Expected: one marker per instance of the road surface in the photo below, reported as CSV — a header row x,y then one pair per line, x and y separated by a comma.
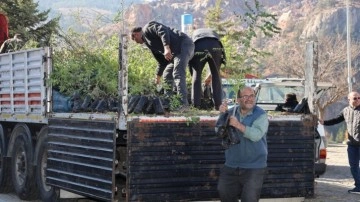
x,y
337,180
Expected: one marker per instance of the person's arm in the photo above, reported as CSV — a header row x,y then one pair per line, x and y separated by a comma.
x,y
163,32
334,121
254,132
161,65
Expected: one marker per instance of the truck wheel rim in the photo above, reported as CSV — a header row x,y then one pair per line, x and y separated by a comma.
x,y
20,165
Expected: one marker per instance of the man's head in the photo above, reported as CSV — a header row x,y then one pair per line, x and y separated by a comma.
x,y
290,97
136,35
354,99
246,98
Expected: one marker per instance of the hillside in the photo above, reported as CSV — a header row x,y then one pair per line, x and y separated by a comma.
x,y
306,18
309,17
72,12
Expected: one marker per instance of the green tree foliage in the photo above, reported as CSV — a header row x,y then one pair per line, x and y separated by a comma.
x,y
142,66
90,66
239,35
88,62
85,65
25,19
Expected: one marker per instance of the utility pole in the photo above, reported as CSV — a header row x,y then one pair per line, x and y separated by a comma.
x,y
348,44
348,53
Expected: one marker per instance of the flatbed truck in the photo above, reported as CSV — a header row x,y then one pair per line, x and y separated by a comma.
x,y
122,157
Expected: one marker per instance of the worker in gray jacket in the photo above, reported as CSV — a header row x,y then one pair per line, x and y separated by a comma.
x,y
351,116
208,49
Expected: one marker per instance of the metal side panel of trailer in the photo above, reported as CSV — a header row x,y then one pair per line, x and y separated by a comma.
x,y
81,156
180,161
22,85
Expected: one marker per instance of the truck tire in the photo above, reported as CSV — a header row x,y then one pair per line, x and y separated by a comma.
x,y
5,181
47,193
22,170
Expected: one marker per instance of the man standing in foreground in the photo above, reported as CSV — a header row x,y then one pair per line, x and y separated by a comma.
x,y
172,49
351,116
246,162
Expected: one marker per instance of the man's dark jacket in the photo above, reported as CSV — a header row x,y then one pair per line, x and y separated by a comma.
x,y
156,36
207,33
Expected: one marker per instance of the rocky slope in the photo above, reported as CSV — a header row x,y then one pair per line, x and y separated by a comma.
x,y
307,18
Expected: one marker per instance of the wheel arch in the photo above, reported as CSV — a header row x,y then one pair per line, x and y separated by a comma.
x,y
15,134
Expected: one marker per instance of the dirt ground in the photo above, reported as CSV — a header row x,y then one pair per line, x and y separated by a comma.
x,y
337,180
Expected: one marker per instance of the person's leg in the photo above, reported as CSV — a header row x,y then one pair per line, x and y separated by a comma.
x,y
197,65
354,156
180,63
214,64
253,180
228,185
168,79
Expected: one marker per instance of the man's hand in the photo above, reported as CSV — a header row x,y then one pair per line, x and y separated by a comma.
x,y
236,124
321,121
208,80
157,79
223,107
167,53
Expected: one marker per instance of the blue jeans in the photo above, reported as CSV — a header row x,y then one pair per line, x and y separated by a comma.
x,y
354,157
235,182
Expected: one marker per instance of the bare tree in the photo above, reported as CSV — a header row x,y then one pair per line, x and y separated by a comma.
x,y
289,60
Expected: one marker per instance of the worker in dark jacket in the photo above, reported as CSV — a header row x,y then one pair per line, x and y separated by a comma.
x,y
208,49
172,49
